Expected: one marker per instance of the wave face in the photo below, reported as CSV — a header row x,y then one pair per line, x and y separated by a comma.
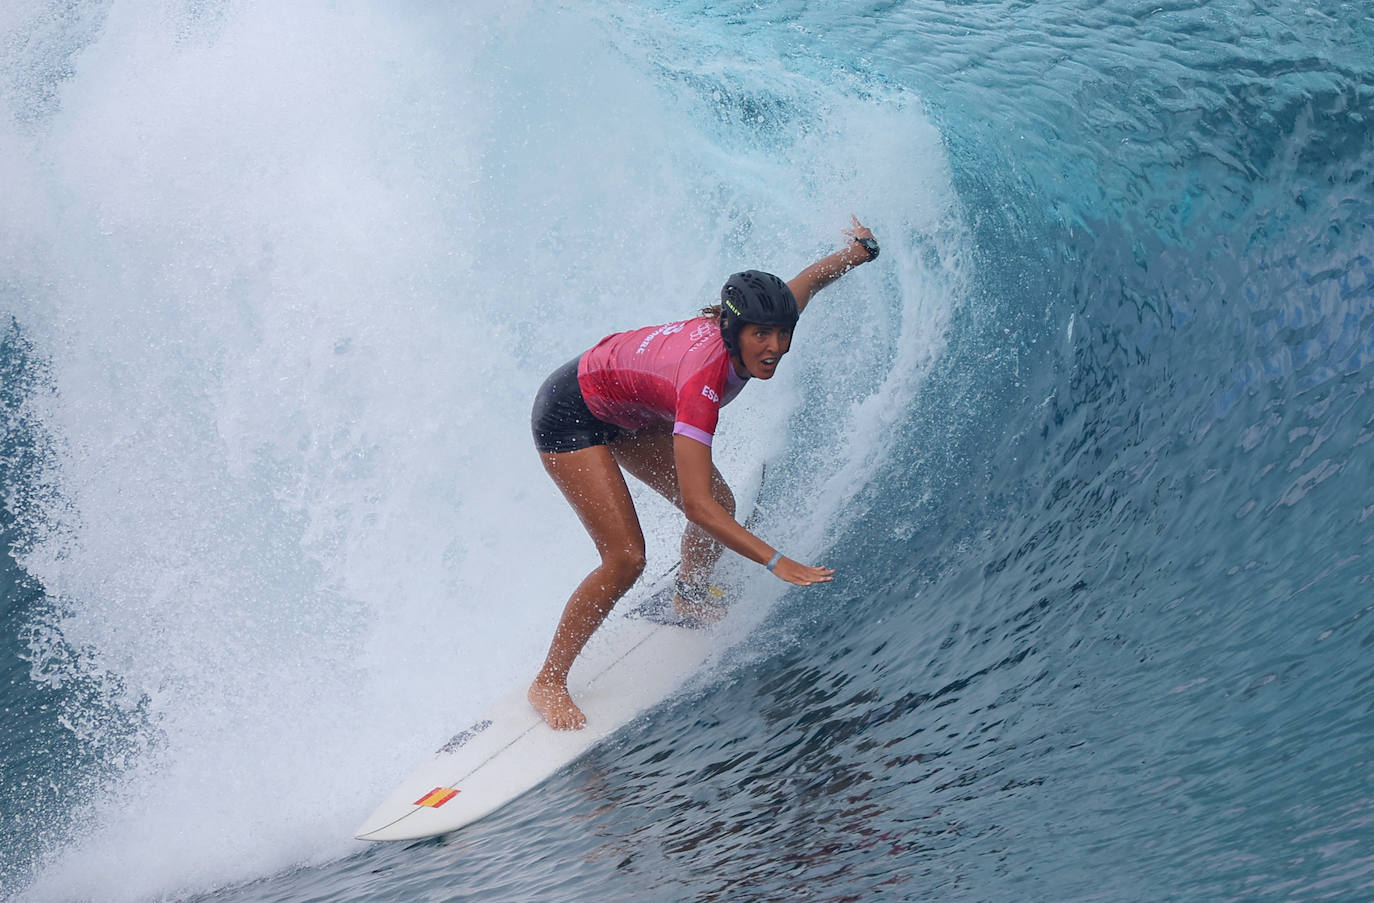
x,y
1088,445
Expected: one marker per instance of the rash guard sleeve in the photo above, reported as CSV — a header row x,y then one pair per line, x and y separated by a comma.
x,y
698,403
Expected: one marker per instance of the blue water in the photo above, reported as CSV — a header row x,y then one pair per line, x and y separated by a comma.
x,y
1088,445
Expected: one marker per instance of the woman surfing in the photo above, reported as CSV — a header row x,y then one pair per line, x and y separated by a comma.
x,y
646,402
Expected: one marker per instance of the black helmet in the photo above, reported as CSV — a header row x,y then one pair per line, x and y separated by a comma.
x,y
754,297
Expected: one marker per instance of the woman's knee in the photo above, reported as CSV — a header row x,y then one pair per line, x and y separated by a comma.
x,y
626,564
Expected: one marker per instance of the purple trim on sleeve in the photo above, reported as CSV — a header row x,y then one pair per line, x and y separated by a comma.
x,y
692,432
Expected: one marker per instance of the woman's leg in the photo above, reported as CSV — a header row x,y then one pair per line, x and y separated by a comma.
x,y
592,482
648,455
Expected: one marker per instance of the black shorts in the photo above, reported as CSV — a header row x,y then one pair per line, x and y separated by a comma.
x,y
561,420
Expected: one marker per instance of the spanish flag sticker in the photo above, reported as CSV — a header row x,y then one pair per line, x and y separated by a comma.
x,y
437,797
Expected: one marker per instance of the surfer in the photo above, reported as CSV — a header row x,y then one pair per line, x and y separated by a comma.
x,y
646,402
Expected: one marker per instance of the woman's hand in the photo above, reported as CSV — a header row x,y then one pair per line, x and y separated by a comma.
x,y
795,572
826,270
860,253
858,230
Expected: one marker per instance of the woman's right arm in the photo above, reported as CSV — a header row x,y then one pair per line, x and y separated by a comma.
x,y
826,270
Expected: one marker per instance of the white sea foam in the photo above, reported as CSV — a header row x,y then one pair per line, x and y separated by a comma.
x,y
298,270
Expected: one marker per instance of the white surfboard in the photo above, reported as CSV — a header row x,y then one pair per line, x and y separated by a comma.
x,y
637,659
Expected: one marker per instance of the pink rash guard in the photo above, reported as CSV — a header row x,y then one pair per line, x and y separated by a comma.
x,y
679,372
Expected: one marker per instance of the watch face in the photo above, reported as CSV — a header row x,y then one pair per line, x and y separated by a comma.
x,y
870,245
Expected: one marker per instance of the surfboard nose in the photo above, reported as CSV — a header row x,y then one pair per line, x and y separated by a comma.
x,y
636,664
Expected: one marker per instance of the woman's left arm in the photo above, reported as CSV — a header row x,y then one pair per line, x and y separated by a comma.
x,y
693,460
826,270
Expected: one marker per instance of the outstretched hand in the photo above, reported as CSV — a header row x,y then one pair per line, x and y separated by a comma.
x,y
834,265
859,230
799,574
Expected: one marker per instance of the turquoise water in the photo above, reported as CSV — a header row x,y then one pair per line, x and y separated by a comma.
x,y
1088,445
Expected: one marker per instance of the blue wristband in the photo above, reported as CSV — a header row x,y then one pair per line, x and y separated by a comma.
x,y
773,562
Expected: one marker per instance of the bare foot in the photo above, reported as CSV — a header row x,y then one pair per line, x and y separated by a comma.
x,y
705,611
556,707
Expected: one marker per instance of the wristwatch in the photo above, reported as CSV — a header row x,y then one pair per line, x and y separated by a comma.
x,y
870,245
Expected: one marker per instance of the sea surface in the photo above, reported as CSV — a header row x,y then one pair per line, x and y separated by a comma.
x,y
1088,445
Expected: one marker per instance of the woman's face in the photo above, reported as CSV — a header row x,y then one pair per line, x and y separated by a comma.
x,y
760,349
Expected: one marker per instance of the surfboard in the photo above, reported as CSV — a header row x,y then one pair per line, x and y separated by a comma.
x,y
640,656
636,659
